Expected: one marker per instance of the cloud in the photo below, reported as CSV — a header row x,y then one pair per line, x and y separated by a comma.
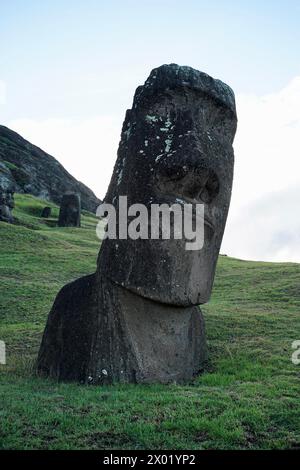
x,y
267,143
2,92
263,220
267,229
267,168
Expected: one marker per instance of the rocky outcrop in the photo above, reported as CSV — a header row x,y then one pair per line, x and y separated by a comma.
x,y
30,170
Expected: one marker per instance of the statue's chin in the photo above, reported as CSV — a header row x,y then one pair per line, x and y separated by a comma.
x,y
162,271
184,296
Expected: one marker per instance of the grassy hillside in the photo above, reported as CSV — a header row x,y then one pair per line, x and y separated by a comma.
x,y
249,396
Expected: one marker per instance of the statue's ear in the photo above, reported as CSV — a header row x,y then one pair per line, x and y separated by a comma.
x,y
113,190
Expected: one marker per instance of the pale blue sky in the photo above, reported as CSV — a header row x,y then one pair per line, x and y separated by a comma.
x,y
72,57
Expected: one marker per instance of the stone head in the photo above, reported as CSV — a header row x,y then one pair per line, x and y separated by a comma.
x,y
7,199
70,210
176,147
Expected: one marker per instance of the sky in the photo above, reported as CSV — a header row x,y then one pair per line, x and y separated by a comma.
x,y
69,69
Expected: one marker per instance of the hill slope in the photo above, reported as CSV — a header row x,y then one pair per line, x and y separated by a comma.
x,y
35,172
249,396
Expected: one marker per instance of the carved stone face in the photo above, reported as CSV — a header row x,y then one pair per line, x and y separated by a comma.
x,y
70,210
7,199
6,203
176,147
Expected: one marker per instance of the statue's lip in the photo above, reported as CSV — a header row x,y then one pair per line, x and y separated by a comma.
x,y
207,221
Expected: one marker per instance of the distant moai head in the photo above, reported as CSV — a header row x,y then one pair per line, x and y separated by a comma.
x,y
176,147
70,210
46,212
6,200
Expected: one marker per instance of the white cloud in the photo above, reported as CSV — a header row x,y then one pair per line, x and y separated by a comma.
x,y
267,143
264,216
267,169
2,92
267,229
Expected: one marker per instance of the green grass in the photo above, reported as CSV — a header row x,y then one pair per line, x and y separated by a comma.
x,y
9,165
248,397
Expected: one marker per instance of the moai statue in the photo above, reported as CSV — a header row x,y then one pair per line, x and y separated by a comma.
x,y
137,319
46,212
70,210
6,204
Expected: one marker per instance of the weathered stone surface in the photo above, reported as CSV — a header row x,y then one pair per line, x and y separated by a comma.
x,y
70,211
98,332
33,171
6,195
6,206
176,145
136,319
46,212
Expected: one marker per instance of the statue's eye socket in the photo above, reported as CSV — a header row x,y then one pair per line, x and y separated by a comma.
x,y
199,184
175,173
